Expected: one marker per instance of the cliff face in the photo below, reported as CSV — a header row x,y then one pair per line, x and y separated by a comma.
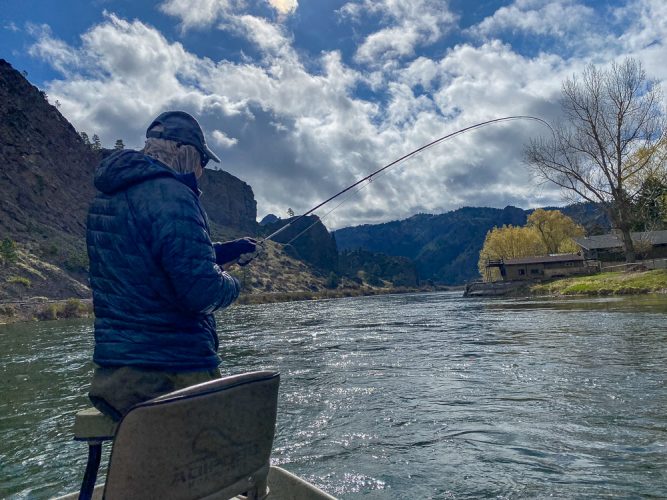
x,y
45,168
229,202
47,171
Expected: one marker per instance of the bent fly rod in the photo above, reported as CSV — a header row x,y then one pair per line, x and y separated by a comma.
x,y
370,176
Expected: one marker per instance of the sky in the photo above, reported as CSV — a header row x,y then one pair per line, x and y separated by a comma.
x,y
301,98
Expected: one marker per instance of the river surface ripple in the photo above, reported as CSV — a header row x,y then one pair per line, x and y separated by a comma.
x,y
405,396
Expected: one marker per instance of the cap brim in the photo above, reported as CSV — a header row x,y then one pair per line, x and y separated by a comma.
x,y
211,155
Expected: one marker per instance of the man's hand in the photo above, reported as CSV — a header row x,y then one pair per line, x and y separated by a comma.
x,y
240,251
246,258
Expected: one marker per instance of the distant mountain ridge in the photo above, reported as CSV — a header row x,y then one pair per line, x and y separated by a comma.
x,y
445,247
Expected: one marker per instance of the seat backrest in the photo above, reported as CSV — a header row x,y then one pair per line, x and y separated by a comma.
x,y
213,438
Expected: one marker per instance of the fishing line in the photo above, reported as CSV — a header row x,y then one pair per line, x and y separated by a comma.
x,y
397,161
342,202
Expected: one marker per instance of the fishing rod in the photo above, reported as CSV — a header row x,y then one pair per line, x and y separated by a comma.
x,y
370,176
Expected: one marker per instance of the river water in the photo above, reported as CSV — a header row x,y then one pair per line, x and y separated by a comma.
x,y
405,396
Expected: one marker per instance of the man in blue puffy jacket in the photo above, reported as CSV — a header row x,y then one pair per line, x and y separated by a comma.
x,y
155,274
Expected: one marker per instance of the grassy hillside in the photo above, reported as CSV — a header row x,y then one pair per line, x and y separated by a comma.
x,y
33,288
607,284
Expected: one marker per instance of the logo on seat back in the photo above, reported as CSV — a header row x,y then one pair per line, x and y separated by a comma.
x,y
216,454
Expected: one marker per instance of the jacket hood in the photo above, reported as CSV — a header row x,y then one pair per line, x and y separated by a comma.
x,y
126,168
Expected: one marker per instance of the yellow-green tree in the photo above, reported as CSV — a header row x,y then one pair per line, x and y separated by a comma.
x,y
509,242
556,230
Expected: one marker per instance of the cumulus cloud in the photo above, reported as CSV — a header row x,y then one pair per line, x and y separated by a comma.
x,y
201,14
123,74
197,13
647,36
539,17
297,128
266,36
60,55
408,26
222,140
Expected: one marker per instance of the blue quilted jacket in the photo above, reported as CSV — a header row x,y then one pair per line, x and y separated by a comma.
x,y
152,268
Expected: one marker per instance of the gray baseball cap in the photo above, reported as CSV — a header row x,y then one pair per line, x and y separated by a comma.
x,y
181,127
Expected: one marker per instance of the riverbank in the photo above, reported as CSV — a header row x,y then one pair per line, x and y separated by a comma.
x,y
337,293
43,309
617,283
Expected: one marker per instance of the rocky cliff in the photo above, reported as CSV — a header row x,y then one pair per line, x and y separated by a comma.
x,y
46,169
229,203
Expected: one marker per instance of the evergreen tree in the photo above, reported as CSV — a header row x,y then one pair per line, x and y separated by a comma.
x,y
290,212
333,280
8,251
97,144
651,205
84,138
119,144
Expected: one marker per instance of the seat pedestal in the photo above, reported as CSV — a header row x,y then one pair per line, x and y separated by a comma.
x,y
94,427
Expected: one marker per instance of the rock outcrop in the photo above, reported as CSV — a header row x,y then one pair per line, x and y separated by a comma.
x,y
229,202
45,168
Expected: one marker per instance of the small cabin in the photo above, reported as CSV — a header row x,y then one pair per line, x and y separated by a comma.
x,y
540,267
609,247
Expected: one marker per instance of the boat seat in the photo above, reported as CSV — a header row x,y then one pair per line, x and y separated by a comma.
x,y
211,440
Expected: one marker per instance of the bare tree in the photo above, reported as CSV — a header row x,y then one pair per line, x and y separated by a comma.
x,y
611,115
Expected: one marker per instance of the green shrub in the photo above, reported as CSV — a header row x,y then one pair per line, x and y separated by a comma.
x,y
51,250
7,310
76,262
48,312
21,280
72,308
